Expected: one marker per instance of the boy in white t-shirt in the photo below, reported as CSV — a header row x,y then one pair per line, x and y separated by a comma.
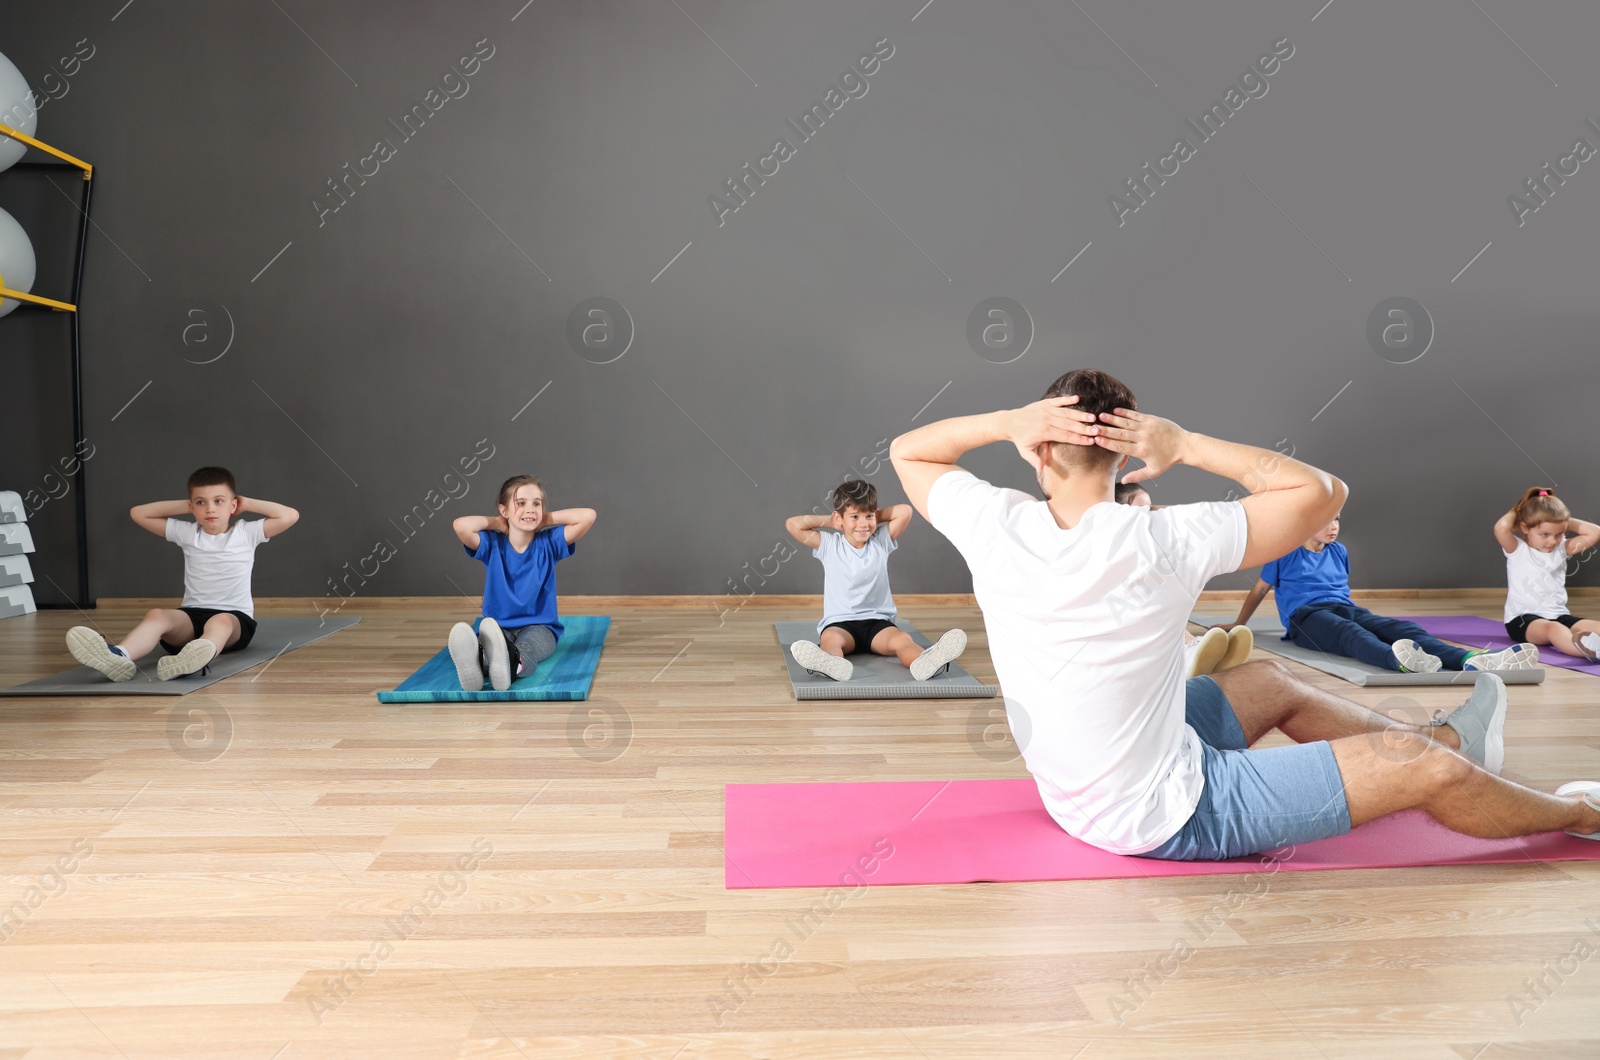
x,y
1085,599
218,614
857,608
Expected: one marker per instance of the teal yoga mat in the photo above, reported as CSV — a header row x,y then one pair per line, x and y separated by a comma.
x,y
566,675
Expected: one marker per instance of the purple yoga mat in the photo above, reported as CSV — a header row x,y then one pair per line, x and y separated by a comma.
x,y
1487,633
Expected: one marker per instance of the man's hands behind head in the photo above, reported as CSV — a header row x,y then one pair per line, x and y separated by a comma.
x,y
1050,420
1156,441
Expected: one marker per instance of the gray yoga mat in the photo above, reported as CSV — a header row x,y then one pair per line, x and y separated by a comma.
x,y
274,637
1268,631
876,676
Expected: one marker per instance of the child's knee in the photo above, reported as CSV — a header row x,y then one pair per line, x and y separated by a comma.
x,y
221,629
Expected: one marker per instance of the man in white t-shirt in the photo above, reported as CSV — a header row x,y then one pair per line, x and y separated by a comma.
x,y
218,614
1085,602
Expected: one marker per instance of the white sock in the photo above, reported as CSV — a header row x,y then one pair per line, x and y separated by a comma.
x,y
119,649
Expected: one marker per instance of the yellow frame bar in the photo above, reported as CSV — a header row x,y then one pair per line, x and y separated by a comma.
x,y
60,307
6,130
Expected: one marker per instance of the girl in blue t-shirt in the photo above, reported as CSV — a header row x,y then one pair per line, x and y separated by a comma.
x,y
519,549
1314,605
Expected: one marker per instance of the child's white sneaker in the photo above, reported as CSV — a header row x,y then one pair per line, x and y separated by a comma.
x,y
464,653
1241,642
1588,645
1413,660
496,656
1516,657
945,650
812,657
1206,652
193,657
91,649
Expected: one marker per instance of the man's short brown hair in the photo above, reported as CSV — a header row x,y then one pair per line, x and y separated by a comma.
x,y
1097,392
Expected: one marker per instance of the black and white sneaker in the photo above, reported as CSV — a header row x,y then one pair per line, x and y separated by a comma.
x,y
944,651
496,657
464,653
193,658
1588,645
813,658
91,649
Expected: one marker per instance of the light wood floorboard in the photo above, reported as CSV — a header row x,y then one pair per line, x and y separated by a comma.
x,y
223,885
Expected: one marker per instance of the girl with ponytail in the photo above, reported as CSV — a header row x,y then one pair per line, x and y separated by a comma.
x,y
1533,536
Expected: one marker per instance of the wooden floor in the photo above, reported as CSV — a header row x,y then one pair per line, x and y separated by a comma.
x,y
236,868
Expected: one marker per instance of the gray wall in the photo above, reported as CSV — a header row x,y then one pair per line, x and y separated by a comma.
x,y
781,346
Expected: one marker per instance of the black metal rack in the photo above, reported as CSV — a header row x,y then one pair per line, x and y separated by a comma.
x,y
82,598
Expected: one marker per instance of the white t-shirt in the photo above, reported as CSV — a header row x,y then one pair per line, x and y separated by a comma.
x,y
855,581
1086,632
216,567
1536,582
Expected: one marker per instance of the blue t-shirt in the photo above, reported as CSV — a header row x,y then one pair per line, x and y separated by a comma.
x,y
1305,577
519,588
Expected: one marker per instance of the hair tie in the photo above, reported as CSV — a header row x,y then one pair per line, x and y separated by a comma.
x,y
1544,493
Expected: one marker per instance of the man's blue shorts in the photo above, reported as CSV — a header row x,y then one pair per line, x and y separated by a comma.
x,y
1253,801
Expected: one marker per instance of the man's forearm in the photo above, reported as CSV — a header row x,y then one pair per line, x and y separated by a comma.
x,y
945,442
1257,470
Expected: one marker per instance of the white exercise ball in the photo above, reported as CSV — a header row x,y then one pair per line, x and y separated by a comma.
x,y
16,110
17,263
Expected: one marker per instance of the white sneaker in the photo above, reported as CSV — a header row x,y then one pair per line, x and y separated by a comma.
x,y
946,650
1204,655
1590,790
91,649
1413,660
812,657
193,657
1241,642
1516,657
1588,646
464,653
496,656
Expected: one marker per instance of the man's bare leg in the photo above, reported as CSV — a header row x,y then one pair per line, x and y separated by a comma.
x,y
1266,696
1451,789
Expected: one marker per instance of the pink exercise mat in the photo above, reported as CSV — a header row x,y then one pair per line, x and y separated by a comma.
x,y
1487,633
972,831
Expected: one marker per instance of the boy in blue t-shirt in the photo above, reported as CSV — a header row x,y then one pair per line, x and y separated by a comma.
x,y
519,550
857,608
1314,605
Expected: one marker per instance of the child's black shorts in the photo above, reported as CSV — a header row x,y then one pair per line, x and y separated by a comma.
x,y
1517,628
199,616
862,630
